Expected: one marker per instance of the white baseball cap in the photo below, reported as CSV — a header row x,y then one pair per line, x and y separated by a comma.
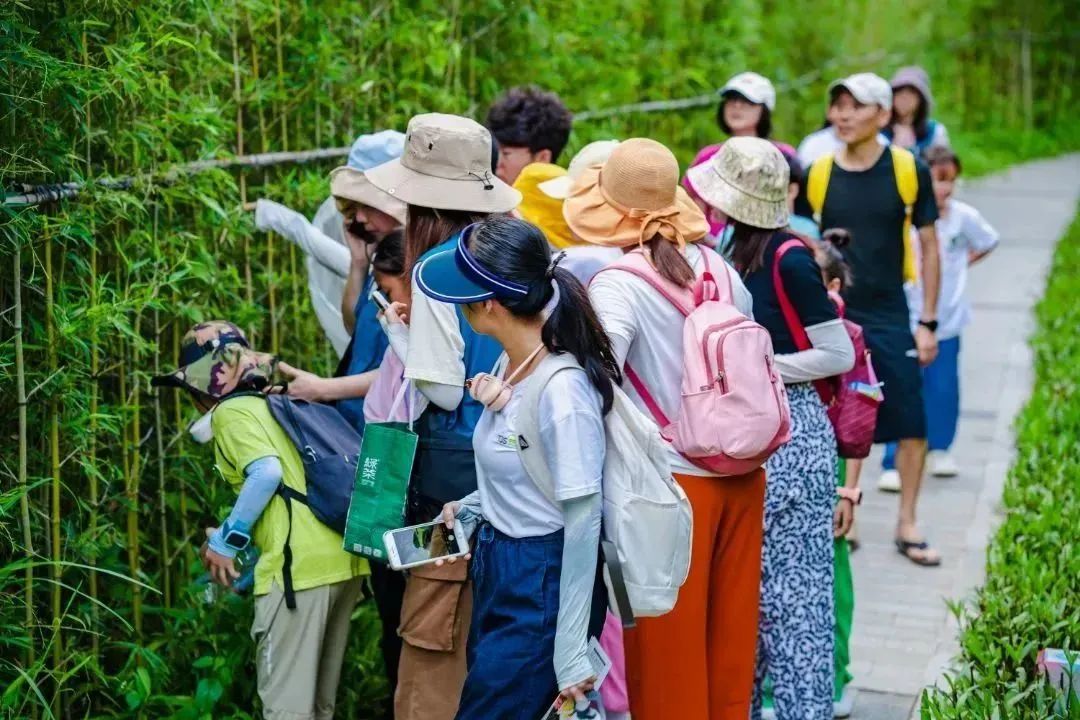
x,y
595,153
755,88
867,88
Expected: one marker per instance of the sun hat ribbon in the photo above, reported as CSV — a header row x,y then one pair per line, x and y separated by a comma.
x,y
652,221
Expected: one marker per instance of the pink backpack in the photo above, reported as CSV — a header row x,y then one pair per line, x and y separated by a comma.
x,y
852,412
734,413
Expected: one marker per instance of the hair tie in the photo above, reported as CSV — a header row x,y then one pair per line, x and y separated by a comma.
x,y
550,274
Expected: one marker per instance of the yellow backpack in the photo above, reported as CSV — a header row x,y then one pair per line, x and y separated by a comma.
x,y
907,183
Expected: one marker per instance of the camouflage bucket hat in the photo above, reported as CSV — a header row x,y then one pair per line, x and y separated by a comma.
x,y
747,180
216,360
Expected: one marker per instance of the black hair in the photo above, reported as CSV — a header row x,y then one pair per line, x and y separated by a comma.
x,y
942,155
764,126
494,154
830,257
921,121
518,251
748,244
530,117
796,175
389,257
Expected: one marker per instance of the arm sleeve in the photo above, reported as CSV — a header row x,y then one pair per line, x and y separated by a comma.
x,y
609,299
581,540
293,226
469,513
440,358
925,211
398,334
261,479
832,354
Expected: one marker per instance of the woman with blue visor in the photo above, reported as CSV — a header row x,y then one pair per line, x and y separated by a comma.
x,y
534,565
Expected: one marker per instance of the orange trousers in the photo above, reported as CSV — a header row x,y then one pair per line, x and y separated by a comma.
x,y
697,662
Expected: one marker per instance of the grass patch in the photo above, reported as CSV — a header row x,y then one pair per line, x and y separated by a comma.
x,y
1031,599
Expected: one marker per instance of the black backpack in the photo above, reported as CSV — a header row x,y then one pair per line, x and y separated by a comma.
x,y
329,448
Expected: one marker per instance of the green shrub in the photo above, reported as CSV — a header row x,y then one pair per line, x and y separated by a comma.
x,y
1031,599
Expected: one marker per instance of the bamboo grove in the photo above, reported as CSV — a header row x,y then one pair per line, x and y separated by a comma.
x,y
103,500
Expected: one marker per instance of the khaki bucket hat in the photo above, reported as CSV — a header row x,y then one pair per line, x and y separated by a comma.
x,y
747,180
632,197
446,166
348,185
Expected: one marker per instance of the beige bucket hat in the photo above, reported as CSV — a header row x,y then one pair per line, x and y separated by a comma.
x,y
446,166
747,180
595,153
348,185
632,197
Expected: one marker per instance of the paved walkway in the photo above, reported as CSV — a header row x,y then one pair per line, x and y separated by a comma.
x,y
904,634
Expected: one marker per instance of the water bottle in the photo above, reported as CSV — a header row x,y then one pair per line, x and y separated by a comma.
x,y
245,563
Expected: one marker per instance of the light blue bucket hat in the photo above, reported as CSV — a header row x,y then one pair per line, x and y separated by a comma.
x,y
348,184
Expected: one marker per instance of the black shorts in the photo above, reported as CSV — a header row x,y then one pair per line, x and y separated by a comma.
x,y
892,352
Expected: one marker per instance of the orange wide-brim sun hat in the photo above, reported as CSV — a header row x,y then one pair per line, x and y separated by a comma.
x,y
634,196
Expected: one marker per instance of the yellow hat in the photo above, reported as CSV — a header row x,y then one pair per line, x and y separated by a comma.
x,y
538,208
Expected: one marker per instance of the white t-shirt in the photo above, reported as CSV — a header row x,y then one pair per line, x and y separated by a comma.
x,y
961,229
646,331
573,442
584,261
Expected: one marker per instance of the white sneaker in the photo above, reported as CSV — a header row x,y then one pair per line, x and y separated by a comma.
x,y
768,714
889,481
843,707
942,464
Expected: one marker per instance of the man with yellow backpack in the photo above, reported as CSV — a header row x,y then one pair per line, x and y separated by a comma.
x,y
878,194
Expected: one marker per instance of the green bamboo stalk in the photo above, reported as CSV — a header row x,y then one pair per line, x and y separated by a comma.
x,y
54,485
178,419
282,110
159,435
249,285
134,543
95,368
24,500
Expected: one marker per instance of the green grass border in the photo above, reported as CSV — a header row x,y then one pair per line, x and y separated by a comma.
x,y
1031,599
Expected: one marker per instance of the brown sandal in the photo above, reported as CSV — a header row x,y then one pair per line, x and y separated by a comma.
x,y
904,547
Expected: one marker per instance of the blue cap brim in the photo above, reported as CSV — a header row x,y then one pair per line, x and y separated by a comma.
x,y
440,278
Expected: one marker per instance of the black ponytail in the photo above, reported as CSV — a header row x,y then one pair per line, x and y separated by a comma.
x,y
573,327
518,251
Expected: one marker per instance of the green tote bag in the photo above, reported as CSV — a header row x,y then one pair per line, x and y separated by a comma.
x,y
381,486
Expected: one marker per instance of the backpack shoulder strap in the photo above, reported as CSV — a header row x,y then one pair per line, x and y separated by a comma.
x,y
817,184
637,264
907,184
530,449
907,181
791,318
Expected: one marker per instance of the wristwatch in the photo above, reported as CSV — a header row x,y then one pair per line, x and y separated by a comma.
x,y
852,494
930,325
236,539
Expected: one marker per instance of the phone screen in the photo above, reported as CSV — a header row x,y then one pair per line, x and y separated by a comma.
x,y
426,542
